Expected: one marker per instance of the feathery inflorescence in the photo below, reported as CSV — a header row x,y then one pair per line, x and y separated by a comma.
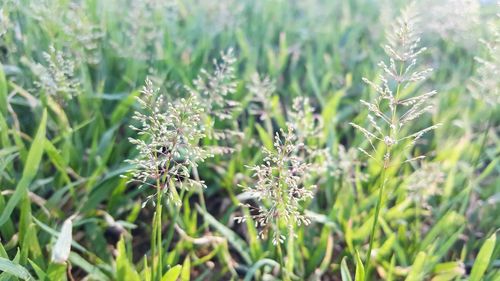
x,y
425,182
451,20
214,90
56,77
261,90
143,31
392,110
169,142
485,85
282,182
344,165
79,33
304,121
215,87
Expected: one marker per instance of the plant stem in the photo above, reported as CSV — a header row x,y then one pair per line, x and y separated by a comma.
x,y
283,271
159,230
375,219
153,248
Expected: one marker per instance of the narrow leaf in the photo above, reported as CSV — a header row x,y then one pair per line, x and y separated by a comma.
x,y
344,271
14,269
483,259
30,170
172,274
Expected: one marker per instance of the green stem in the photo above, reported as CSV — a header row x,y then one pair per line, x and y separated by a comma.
x,y
153,248
283,271
159,230
375,219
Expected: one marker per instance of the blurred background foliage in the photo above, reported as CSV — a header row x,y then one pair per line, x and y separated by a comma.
x,y
70,73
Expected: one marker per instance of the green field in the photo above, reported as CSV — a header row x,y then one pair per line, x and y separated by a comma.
x,y
249,140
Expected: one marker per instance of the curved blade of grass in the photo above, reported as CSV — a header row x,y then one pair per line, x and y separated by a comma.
x,y
14,269
483,259
417,269
94,272
124,269
344,270
172,273
360,269
186,270
30,169
251,272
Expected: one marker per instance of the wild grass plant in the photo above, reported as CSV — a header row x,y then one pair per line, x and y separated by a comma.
x,y
240,140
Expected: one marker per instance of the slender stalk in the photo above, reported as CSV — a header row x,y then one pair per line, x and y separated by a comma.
x,y
159,230
375,219
153,248
283,271
393,132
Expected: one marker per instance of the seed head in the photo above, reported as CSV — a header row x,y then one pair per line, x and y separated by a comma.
x,y
215,87
392,108
168,142
282,184
56,76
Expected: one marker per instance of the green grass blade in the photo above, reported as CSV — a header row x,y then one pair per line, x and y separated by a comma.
x,y
344,270
483,259
30,169
14,269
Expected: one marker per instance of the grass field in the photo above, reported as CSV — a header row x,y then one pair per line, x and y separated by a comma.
x,y
249,140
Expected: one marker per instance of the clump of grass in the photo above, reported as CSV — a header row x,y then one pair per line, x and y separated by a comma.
x,y
392,111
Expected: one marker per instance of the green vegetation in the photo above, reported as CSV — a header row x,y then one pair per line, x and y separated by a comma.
x,y
249,140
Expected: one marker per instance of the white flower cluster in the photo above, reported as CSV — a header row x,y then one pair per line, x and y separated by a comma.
x,y
261,90
425,182
214,87
486,84
344,165
142,34
168,141
451,20
80,33
57,76
281,182
304,121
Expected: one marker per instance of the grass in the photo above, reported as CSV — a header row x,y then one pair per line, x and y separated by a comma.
x,y
70,76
